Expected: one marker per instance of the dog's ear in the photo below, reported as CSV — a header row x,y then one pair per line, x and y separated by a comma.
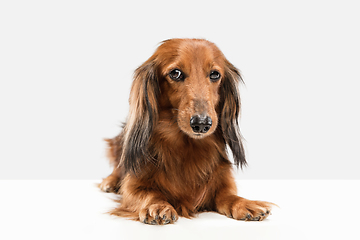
x,y
142,117
230,109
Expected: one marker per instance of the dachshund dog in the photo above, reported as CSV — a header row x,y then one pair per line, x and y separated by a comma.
x,y
170,158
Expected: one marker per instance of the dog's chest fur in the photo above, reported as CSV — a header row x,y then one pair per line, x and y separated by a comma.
x,y
185,168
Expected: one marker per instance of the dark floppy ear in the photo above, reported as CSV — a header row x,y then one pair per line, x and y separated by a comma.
x,y
142,117
230,109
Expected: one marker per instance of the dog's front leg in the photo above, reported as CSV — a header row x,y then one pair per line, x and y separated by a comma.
x,y
233,206
143,203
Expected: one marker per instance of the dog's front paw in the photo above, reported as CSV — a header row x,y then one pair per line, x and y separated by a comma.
x,y
158,214
248,210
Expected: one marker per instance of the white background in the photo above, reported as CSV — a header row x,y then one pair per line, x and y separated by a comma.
x,y
74,209
66,69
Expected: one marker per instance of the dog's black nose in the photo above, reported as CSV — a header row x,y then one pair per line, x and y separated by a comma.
x,y
200,124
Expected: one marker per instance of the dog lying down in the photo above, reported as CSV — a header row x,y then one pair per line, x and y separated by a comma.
x,y
170,158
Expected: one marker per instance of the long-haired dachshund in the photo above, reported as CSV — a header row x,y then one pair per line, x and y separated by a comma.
x,y
170,158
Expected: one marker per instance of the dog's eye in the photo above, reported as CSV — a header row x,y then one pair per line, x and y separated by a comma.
x,y
214,76
176,75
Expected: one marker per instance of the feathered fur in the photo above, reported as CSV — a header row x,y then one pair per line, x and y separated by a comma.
x,y
163,167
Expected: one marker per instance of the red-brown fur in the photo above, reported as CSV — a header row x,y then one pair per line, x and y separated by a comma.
x,y
162,168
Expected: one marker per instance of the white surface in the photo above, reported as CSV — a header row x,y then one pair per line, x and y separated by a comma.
x,y
66,68
76,210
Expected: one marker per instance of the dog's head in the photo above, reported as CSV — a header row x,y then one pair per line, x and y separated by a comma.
x,y
193,80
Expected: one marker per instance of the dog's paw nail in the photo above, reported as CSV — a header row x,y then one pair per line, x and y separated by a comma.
x,y
166,222
262,214
256,219
153,222
248,216
157,217
174,218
